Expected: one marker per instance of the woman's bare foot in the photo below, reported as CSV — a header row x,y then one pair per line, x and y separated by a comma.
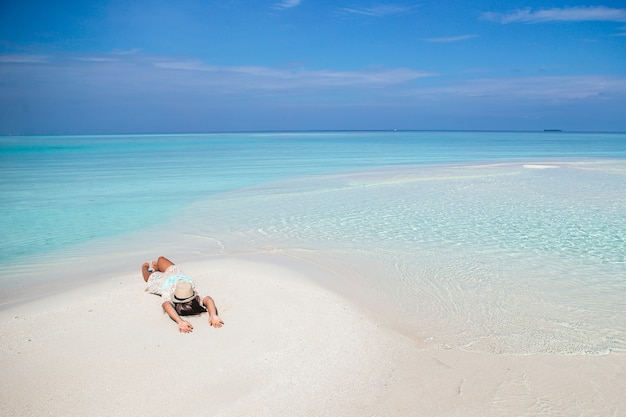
x,y
145,271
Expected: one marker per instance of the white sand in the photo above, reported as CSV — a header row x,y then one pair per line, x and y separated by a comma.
x,y
288,348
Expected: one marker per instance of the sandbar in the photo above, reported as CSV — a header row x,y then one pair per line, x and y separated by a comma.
x,y
289,347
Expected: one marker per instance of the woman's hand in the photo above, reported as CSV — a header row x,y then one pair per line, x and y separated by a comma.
x,y
215,321
185,327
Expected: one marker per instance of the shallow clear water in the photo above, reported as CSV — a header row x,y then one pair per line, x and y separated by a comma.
x,y
494,258
469,247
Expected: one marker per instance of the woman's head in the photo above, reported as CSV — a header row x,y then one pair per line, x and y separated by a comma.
x,y
186,300
189,308
183,291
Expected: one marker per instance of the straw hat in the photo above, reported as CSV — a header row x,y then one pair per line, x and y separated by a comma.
x,y
184,292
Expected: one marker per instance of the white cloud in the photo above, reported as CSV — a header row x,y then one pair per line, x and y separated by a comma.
x,y
548,89
271,78
570,14
450,39
132,51
23,59
96,59
378,11
286,4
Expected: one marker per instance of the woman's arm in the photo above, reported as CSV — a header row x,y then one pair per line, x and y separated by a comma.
x,y
214,319
183,326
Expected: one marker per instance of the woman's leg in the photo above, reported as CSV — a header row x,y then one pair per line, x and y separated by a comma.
x,y
163,263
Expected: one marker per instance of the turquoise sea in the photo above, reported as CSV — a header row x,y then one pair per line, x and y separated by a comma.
x,y
502,242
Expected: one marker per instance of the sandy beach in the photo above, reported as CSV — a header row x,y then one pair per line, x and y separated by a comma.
x,y
288,348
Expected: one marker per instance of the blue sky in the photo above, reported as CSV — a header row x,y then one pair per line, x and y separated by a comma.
x,y
187,66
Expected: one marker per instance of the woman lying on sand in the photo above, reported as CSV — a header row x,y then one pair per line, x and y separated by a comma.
x,y
178,293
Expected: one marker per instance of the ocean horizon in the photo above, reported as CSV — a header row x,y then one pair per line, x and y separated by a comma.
x,y
501,242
